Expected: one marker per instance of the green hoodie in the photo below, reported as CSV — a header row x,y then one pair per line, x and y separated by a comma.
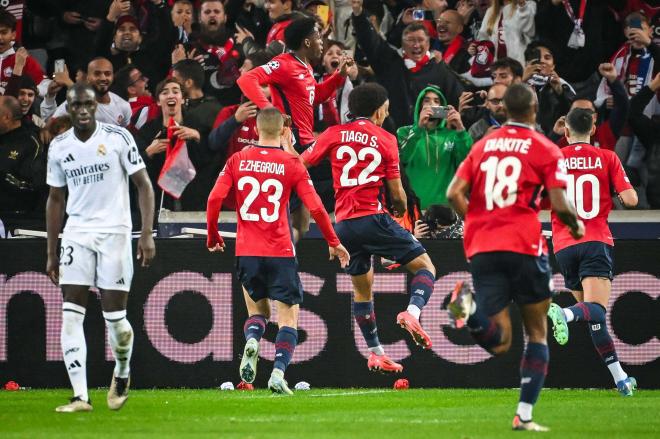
x,y
431,157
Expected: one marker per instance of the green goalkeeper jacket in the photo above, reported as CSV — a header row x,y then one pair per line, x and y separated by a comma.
x,y
431,156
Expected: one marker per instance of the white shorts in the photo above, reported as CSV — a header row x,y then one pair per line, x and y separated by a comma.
x,y
103,260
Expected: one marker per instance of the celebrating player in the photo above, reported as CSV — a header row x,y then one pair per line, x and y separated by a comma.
x,y
295,92
503,175
586,264
92,161
363,156
262,178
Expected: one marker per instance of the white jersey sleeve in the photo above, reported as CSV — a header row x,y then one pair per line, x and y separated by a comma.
x,y
55,175
130,155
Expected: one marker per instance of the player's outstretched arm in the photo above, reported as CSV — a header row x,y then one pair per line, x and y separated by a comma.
x,y
250,84
566,212
398,196
457,195
54,219
146,248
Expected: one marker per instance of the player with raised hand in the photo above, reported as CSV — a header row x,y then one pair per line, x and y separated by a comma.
x,y
586,263
93,161
262,178
295,92
364,158
503,176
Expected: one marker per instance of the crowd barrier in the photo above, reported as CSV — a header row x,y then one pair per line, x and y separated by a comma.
x,y
187,312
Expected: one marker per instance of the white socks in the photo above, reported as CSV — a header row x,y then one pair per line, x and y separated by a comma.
x,y
525,411
568,314
617,372
378,350
120,337
74,348
414,311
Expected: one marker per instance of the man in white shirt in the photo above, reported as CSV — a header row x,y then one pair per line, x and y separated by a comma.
x,y
93,161
111,108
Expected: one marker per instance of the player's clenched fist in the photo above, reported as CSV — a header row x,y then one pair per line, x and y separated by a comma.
x,y
214,242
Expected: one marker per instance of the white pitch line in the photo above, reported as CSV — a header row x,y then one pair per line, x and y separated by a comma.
x,y
365,392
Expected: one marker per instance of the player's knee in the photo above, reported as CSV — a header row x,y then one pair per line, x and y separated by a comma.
x,y
501,348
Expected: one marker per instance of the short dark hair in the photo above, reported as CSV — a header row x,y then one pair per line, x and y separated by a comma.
x,y
329,43
258,58
642,18
161,85
508,63
535,45
12,106
580,121
122,80
190,69
7,20
79,87
414,27
365,99
297,31
518,100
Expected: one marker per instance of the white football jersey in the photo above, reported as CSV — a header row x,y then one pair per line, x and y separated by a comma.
x,y
96,175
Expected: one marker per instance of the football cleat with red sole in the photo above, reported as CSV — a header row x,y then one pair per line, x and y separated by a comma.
x,y
383,364
408,322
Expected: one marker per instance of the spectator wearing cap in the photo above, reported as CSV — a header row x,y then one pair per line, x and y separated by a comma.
x,y
406,72
452,44
120,40
22,163
8,56
510,26
130,84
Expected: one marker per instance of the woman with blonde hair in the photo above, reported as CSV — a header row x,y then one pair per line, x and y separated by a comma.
x,y
509,24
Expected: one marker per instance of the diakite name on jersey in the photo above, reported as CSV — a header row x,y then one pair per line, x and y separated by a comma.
x,y
358,137
583,163
505,144
261,167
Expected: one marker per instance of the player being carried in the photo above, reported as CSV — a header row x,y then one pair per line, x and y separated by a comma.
x,y
262,178
586,264
503,176
295,92
364,158
93,161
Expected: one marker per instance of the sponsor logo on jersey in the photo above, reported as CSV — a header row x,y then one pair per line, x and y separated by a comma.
x,y
69,158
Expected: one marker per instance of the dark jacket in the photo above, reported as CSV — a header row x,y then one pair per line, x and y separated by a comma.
x,y
403,85
153,57
22,170
646,130
552,106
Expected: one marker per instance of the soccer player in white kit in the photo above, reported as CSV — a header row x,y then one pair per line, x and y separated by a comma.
x,y
93,161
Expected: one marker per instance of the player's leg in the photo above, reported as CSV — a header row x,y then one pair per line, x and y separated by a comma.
x,y
486,313
300,219
421,288
534,364
77,274
594,311
253,329
568,260
252,273
114,276
285,345
74,346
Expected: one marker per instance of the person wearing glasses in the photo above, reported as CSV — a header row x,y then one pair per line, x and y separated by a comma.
x,y
494,116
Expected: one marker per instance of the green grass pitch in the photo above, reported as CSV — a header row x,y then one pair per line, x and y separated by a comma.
x,y
335,413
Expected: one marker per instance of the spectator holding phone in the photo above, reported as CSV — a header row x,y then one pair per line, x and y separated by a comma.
x,y
432,148
553,93
495,114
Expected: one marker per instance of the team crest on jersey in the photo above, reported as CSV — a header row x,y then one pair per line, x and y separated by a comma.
x,y
101,150
8,71
13,155
270,66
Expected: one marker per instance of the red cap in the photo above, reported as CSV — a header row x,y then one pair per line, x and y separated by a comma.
x,y
126,19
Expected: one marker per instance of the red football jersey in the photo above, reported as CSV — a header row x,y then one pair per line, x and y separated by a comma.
x,y
506,171
362,155
293,89
31,69
262,179
276,32
593,174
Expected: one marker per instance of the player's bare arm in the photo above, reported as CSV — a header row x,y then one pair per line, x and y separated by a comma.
x,y
457,195
566,212
146,248
628,198
54,219
398,196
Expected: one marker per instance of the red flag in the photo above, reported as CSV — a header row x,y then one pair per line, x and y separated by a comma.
x,y
178,170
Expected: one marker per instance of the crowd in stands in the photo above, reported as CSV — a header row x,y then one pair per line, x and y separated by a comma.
x,y
446,65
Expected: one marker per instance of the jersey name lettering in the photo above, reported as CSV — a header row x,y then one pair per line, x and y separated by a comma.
x,y
356,136
261,167
583,163
504,144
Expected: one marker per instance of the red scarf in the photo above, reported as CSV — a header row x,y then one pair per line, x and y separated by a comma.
x,y
453,48
416,66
